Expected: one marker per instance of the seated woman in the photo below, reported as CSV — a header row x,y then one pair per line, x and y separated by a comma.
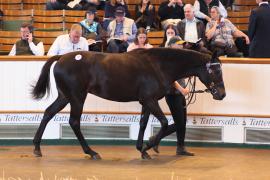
x,y
221,33
145,14
140,41
92,31
169,32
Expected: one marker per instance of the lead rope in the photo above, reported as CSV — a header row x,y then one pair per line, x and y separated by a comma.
x,y
192,91
191,97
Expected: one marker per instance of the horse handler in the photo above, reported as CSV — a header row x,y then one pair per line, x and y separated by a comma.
x,y
177,105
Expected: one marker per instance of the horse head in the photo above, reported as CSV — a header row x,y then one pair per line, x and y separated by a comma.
x,y
213,79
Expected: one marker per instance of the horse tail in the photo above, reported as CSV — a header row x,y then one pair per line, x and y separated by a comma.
x,y
43,83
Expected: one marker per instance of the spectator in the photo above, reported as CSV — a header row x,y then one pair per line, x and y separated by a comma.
x,y
169,32
69,42
140,41
90,4
62,4
221,32
92,31
192,30
110,8
227,3
259,29
121,31
202,9
177,105
171,12
27,45
71,4
145,14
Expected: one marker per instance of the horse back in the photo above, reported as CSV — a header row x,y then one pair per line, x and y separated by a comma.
x,y
118,77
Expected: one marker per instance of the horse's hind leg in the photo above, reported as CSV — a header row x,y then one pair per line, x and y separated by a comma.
x,y
143,123
54,108
74,121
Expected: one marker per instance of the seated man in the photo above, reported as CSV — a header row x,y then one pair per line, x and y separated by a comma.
x,y
192,30
122,32
27,45
69,42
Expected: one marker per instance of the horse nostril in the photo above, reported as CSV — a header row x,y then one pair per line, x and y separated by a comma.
x,y
223,95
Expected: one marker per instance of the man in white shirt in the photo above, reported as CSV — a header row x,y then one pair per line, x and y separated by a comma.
x,y
27,45
69,42
192,30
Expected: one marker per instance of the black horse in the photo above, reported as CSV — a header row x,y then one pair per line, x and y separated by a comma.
x,y
140,75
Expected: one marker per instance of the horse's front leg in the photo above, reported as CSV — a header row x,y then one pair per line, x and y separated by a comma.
x,y
143,123
155,109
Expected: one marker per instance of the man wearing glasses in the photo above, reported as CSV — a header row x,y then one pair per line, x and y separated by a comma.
x,y
27,45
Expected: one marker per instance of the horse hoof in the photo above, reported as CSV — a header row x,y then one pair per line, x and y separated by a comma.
x,y
37,153
145,147
145,155
96,157
151,141
155,148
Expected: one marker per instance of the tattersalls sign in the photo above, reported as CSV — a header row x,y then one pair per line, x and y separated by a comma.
x,y
33,118
233,129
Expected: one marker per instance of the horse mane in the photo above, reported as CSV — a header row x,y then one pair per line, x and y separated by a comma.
x,y
194,58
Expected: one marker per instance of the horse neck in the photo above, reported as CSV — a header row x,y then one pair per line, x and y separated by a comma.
x,y
182,66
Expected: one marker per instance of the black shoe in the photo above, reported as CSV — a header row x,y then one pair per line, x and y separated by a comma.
x,y
181,150
151,141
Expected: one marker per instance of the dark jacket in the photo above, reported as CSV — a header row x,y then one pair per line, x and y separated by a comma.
x,y
166,12
258,31
205,9
181,27
110,9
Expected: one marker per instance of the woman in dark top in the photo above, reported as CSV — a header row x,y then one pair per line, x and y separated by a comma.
x,y
145,14
176,100
110,7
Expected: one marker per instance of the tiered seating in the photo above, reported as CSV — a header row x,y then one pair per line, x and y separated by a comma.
x,y
48,20
62,20
13,19
155,38
244,5
7,40
72,17
34,4
11,4
18,15
239,19
48,37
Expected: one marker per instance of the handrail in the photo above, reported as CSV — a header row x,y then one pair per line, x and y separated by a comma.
x,y
138,113
225,60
